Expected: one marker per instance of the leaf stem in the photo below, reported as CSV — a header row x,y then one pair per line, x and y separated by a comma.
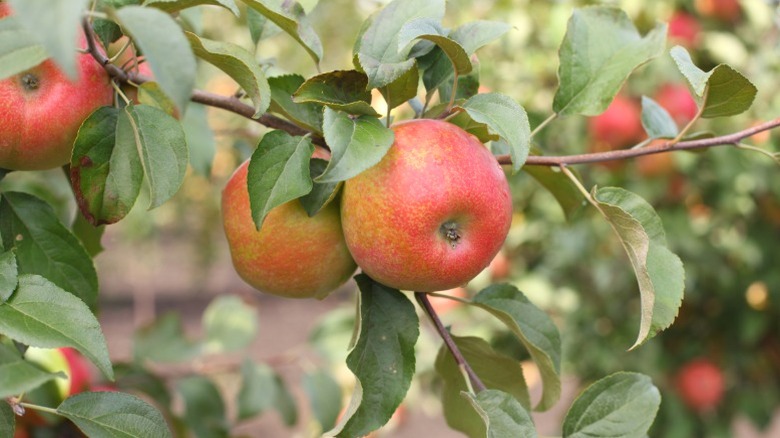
x,y
39,408
422,298
454,89
695,118
543,124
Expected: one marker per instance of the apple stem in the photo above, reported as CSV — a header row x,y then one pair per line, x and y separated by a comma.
x,y
422,298
38,408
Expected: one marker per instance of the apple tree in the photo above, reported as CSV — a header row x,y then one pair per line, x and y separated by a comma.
x,y
395,168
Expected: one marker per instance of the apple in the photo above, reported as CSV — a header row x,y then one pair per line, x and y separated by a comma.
x,y
500,267
723,10
67,360
21,432
619,126
443,305
684,29
41,110
292,255
700,384
677,100
432,214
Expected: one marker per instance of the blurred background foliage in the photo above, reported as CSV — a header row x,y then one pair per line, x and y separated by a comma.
x,y
720,208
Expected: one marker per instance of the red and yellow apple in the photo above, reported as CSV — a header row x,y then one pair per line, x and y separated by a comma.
x,y
432,213
68,361
619,126
41,110
677,100
684,29
723,10
292,255
700,384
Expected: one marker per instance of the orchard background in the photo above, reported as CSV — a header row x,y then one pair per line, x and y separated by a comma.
x,y
203,354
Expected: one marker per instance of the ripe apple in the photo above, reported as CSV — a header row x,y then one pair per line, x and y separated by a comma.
x,y
619,126
723,10
684,29
293,255
69,361
677,100
432,213
655,165
700,384
41,110
500,267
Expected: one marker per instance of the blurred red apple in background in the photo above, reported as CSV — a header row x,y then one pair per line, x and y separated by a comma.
x,y
684,29
700,384
678,101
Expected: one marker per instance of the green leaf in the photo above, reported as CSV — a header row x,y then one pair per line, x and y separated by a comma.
x,y
658,123
18,376
726,92
89,235
229,323
150,93
430,29
159,140
494,369
204,410
659,272
135,378
285,403
7,420
306,115
177,5
356,144
9,273
502,414
382,358
378,48
324,395
600,49
535,330
402,89
19,50
475,34
45,246
106,30
262,389
322,193
114,415
57,26
622,404
343,90
507,119
165,47
40,314
291,18
200,139
278,172
560,186
239,64
106,173
164,341
260,27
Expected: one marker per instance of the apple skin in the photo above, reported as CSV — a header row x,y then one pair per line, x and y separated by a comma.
x,y
727,11
293,255
41,110
67,360
619,126
700,384
684,29
432,214
677,100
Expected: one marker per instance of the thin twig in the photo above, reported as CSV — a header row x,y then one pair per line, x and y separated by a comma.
x,y
422,298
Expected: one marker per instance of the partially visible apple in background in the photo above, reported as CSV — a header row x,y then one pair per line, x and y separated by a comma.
x,y
700,384
684,29
76,367
678,101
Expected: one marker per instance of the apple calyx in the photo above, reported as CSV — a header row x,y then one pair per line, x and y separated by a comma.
x,y
451,233
30,82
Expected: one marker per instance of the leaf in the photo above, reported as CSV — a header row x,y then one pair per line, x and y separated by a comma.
x,y
535,330
502,414
356,144
695,76
306,115
165,47
382,358
430,29
160,142
260,27
112,414
239,64
19,50
262,389
61,22
204,410
105,171
89,235
291,18
135,378
324,395
377,49
622,404
560,186
45,246
476,34
659,272
18,376
9,272
278,172
164,341
229,323
150,93
322,193
40,314
343,90
600,49
658,123
200,139
7,420
505,118
177,5
402,89
494,369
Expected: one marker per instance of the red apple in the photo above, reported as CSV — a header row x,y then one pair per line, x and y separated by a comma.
x,y
67,360
655,165
723,10
677,100
432,214
684,29
500,267
700,384
293,255
619,126
41,110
